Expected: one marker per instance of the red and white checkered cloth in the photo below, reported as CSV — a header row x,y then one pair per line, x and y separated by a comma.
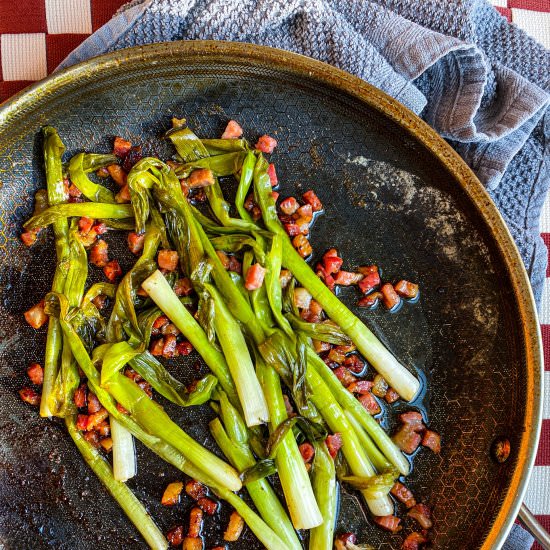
x,y
36,35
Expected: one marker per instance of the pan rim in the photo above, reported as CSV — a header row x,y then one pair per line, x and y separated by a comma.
x,y
418,130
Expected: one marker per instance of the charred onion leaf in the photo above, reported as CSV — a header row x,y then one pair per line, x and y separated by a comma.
x,y
187,144
290,364
127,224
41,202
205,308
94,161
221,165
147,366
312,431
289,306
374,486
145,320
325,331
123,318
77,172
262,469
275,353
236,242
221,146
299,386
210,226
107,289
78,209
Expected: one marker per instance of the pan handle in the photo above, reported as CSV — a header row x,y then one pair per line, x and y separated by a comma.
x,y
534,527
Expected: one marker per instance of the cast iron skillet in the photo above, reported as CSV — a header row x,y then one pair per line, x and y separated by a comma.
x,y
395,194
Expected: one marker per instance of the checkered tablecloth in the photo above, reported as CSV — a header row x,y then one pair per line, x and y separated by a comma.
x,y
36,35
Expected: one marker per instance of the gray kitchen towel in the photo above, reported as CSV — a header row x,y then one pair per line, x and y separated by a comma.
x,y
481,82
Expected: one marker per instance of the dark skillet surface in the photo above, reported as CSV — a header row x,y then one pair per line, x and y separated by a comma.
x,y
388,201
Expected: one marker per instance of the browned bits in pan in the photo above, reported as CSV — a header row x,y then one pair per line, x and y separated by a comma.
x,y
207,505
234,527
501,449
432,440
35,372
403,494
171,495
195,489
135,242
203,177
192,543
302,246
121,146
195,522
388,523
390,298
341,541
406,289
112,270
422,514
30,396
118,174
413,541
369,402
36,316
168,260
175,536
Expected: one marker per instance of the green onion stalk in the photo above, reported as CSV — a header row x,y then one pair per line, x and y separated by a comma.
x,y
240,364
300,500
114,388
53,151
196,154
91,190
171,454
191,241
94,210
124,452
191,149
232,439
354,408
134,510
124,320
374,351
161,293
67,380
153,418
326,494
152,370
354,453
379,461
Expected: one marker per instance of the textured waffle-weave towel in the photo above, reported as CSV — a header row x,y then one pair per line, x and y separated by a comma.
x,y
480,82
